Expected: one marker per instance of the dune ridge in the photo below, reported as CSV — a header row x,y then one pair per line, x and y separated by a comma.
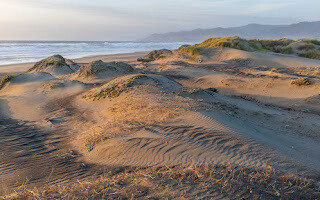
x,y
170,121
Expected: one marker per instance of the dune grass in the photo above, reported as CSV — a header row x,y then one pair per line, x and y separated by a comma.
x,y
314,54
233,42
114,90
309,48
98,66
179,182
272,44
5,79
301,82
312,41
55,60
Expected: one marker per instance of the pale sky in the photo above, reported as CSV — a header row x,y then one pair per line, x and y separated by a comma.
x,y
135,19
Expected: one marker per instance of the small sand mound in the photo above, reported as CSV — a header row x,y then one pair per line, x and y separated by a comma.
x,y
55,65
122,84
155,55
58,84
313,100
101,70
21,83
26,78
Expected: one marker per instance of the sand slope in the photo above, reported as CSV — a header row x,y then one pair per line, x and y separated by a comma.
x,y
165,115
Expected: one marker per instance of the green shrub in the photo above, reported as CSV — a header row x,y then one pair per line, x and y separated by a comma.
x,y
273,44
232,42
253,44
306,47
312,41
285,50
278,46
311,54
191,50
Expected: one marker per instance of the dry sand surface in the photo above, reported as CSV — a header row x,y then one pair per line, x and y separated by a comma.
x,y
231,125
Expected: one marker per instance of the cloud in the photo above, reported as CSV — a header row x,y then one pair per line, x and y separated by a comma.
x,y
132,19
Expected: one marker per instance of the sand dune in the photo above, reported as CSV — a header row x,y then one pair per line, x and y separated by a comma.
x,y
230,108
102,70
55,65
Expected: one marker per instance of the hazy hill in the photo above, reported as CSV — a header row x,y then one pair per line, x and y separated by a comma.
x,y
293,31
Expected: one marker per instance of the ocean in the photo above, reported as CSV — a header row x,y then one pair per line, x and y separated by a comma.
x,y
13,52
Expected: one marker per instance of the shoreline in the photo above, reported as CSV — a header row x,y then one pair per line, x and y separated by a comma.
x,y
124,57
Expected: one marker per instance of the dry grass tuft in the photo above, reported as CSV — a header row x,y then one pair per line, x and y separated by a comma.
x,y
302,82
5,79
201,181
158,54
115,89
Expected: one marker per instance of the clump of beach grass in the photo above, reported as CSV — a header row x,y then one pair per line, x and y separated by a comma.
x,y
55,60
301,82
179,182
6,79
115,89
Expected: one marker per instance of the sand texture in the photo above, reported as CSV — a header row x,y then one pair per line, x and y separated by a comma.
x,y
229,124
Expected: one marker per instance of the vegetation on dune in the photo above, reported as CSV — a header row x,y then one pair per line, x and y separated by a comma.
x,y
178,182
285,50
308,48
52,85
56,85
55,60
192,50
158,54
301,82
95,67
115,89
98,66
314,54
272,44
233,42
312,41
5,79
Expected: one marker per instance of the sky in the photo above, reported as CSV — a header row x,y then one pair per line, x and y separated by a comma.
x,y
110,20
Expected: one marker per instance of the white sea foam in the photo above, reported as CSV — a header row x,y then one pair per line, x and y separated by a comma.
x,y
12,52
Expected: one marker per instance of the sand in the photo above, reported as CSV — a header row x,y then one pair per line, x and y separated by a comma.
x,y
162,114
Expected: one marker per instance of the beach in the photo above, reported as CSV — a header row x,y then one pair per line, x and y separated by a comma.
x,y
233,116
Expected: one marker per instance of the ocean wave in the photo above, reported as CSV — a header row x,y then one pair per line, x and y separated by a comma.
x,y
40,44
20,52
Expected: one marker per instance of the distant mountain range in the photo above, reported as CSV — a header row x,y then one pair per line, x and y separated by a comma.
x,y
258,31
